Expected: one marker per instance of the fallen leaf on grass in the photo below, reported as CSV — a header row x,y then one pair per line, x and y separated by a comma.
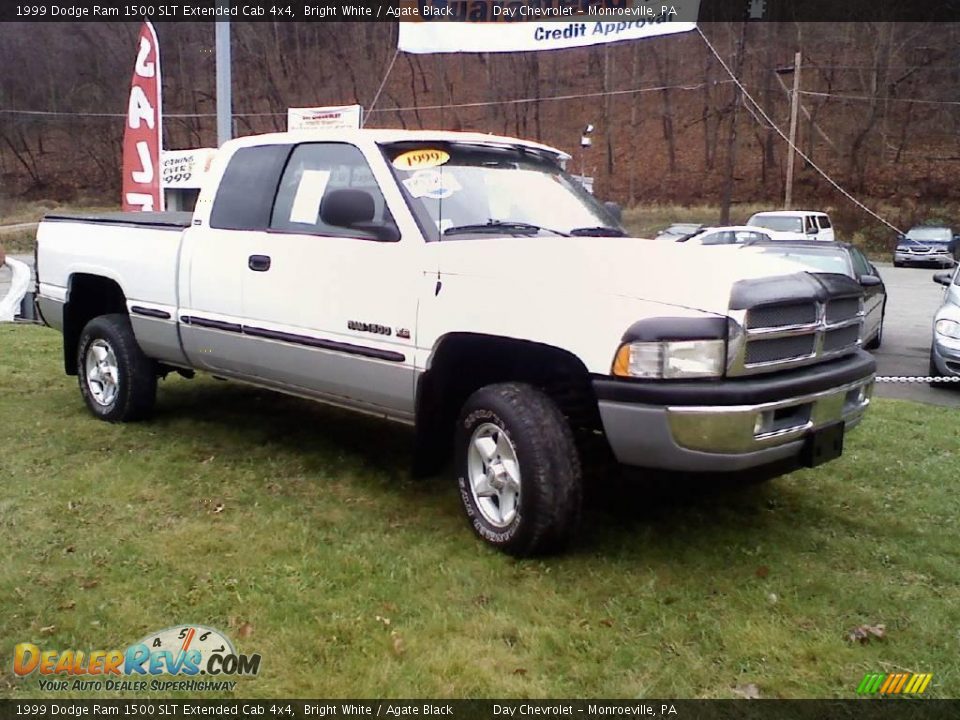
x,y
748,691
69,549
520,671
384,620
68,605
48,630
245,630
763,571
398,644
863,633
606,622
89,584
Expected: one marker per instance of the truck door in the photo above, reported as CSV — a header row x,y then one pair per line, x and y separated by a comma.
x,y
215,259
329,297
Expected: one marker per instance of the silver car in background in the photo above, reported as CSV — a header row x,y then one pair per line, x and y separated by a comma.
x,y
945,347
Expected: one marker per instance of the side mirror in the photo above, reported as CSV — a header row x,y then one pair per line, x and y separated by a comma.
x,y
869,281
942,278
615,210
813,231
354,209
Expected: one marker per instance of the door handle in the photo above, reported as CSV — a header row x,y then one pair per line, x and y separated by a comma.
x,y
259,263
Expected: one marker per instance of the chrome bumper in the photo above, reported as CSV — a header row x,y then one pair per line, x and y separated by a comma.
x,y
747,428
654,431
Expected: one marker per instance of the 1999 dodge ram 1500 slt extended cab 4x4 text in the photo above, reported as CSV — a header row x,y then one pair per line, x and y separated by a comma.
x,y
463,283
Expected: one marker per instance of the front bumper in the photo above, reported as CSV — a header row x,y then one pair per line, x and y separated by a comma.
x,y
945,355
731,424
943,259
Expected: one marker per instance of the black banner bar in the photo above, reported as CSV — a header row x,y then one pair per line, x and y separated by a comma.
x,y
450,10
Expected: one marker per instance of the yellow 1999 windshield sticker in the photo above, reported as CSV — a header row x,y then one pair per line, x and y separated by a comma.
x,y
420,159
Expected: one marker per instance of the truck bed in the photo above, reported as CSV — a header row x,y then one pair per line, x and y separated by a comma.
x,y
137,250
178,220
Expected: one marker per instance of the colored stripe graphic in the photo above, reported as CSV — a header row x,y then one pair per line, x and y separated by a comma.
x,y
894,683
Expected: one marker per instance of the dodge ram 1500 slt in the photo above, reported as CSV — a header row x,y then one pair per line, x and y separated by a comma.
x,y
465,284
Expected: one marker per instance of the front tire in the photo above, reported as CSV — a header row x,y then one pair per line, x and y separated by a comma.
x,y
518,470
877,340
117,381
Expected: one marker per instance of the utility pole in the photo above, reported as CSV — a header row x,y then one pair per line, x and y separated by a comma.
x,y
224,82
794,108
726,196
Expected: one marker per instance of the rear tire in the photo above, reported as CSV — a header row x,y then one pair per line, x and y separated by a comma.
x,y
117,381
518,470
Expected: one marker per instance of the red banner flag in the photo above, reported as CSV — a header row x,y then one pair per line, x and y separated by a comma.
x,y
142,135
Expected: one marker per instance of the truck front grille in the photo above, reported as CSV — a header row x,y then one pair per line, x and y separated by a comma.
x,y
782,315
779,349
781,332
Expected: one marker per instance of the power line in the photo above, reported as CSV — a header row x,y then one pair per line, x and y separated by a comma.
x,y
842,96
514,101
383,82
793,147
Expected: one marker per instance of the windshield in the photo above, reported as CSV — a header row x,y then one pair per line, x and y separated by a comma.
x,y
828,262
931,234
467,191
680,229
778,224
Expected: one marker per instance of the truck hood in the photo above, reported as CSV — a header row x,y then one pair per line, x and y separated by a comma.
x,y
693,277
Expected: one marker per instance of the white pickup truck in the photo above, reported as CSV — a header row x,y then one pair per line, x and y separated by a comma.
x,y
465,284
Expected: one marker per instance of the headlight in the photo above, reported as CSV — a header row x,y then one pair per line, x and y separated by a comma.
x,y
671,359
950,328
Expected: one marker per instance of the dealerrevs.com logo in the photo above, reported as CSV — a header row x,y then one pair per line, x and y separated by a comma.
x,y
191,651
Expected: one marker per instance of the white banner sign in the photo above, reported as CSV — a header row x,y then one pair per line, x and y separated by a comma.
x,y
444,37
184,168
345,117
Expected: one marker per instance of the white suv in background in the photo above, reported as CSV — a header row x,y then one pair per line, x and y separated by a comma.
x,y
815,225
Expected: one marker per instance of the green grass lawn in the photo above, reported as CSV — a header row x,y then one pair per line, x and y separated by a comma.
x,y
297,531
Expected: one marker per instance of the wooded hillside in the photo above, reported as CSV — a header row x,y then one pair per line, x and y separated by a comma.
x,y
880,103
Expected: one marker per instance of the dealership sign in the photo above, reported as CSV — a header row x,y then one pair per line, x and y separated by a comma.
x,y
185,168
345,117
142,135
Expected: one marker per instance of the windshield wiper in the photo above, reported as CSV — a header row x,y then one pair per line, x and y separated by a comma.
x,y
599,231
501,226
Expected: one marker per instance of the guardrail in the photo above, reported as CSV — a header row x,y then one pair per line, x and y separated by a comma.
x,y
10,305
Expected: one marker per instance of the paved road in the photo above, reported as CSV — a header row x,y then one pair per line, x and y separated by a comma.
x,y
912,299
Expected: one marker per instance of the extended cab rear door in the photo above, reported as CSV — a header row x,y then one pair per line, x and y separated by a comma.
x,y
228,224
278,292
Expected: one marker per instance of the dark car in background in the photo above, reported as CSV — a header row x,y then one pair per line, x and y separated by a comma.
x,y
679,231
926,245
842,258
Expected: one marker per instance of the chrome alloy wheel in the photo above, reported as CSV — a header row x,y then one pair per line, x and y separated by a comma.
x,y
494,473
102,372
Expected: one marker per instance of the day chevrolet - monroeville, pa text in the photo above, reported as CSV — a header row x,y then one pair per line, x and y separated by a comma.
x,y
465,284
